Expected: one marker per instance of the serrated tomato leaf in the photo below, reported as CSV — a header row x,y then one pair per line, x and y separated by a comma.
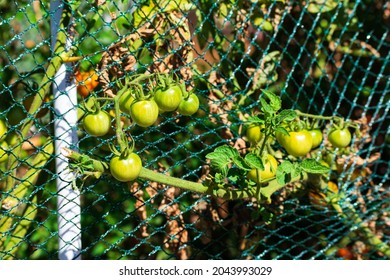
x,y
282,130
274,101
265,107
285,115
222,157
285,172
255,120
254,161
241,163
310,165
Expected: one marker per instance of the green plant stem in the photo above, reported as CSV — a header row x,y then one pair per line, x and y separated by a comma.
x,y
172,181
317,117
118,131
349,215
261,193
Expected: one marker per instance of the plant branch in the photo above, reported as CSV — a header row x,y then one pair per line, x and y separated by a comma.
x,y
262,193
349,215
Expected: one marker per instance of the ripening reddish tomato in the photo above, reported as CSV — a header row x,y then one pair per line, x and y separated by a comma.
x,y
344,253
86,82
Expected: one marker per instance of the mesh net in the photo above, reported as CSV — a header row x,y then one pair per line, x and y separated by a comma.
x,y
320,57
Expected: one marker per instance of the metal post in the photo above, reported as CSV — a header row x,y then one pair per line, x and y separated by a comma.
x,y
65,131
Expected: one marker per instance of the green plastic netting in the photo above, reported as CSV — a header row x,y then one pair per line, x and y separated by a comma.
x,y
320,57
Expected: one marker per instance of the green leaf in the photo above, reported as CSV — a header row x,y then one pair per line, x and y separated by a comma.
x,y
312,166
221,165
254,161
265,107
282,130
241,163
285,172
219,178
274,100
224,151
223,156
255,120
235,176
286,115
228,150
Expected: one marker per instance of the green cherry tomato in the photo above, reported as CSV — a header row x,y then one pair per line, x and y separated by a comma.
x,y
97,124
168,100
340,138
189,106
126,168
3,129
144,112
270,166
3,151
298,143
253,133
125,102
316,134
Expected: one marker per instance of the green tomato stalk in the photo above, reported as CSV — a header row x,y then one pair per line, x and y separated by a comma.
x,y
262,194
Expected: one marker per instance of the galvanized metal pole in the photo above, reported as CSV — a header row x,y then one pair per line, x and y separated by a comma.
x,y
65,124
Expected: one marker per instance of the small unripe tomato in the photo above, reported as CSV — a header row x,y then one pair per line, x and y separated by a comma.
x,y
125,102
340,138
169,99
253,133
189,106
298,143
126,168
317,137
97,124
270,166
3,152
144,112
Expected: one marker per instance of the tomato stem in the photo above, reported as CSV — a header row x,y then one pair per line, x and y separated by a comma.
x,y
262,194
118,131
318,117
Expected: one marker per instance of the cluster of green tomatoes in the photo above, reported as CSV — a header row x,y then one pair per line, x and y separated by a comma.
x,y
166,95
297,143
